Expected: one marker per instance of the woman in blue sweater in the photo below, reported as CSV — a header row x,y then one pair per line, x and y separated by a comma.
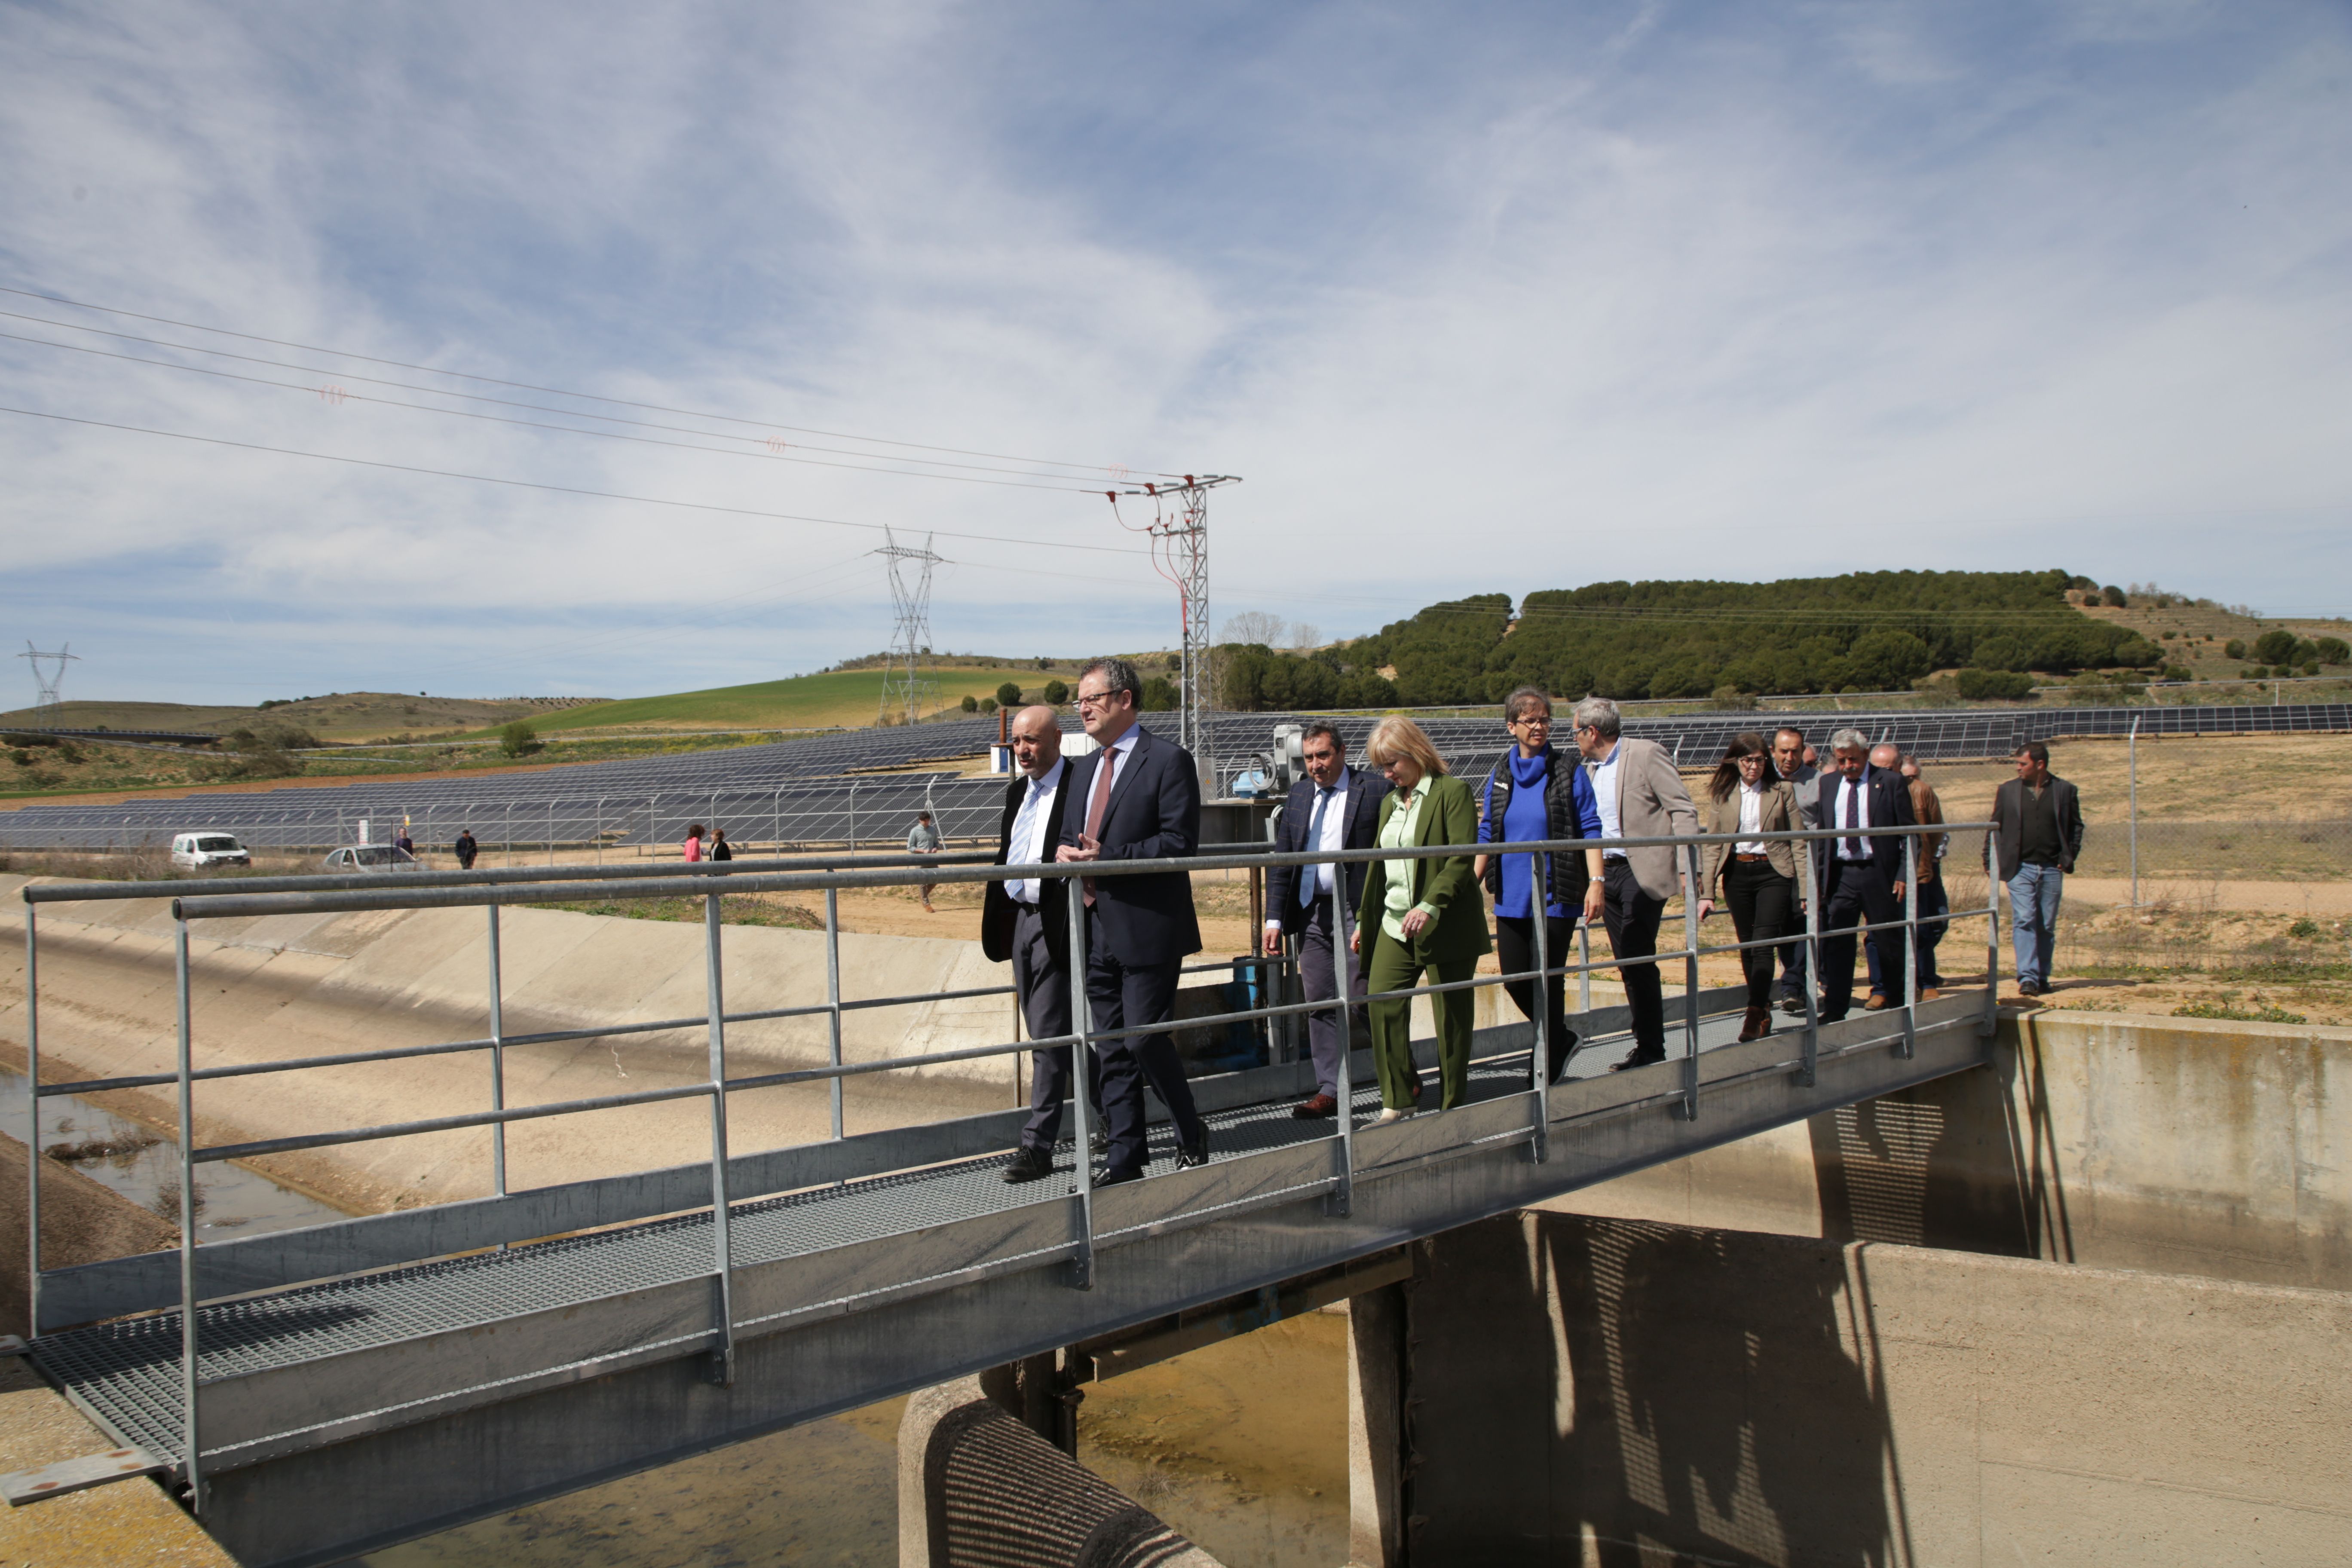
x,y
1535,793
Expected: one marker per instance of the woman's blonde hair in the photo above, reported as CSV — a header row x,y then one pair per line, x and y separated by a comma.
x,y
1397,736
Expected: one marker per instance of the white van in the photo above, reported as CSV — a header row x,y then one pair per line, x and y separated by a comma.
x,y
198,850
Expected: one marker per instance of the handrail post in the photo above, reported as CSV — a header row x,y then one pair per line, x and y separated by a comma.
x,y
1584,962
1082,1021
722,1356
1806,1073
1991,1020
1690,985
498,1061
190,1451
1343,962
1910,947
833,995
1539,1058
33,1128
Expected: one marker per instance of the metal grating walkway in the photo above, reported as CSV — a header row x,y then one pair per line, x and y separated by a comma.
x,y
127,1372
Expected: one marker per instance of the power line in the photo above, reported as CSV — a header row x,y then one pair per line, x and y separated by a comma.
x,y
775,449
1113,470
535,485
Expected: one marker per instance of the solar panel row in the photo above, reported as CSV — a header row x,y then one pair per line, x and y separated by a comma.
x,y
808,791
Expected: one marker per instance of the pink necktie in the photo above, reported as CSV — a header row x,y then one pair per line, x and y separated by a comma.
x,y
1095,807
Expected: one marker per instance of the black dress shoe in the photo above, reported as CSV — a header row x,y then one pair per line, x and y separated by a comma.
x,y
1099,1141
1192,1156
1112,1178
1029,1164
1562,1051
1638,1059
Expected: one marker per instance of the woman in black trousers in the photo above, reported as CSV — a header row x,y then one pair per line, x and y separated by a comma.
x,y
1758,877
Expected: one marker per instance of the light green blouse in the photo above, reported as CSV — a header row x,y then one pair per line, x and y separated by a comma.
x,y
1398,835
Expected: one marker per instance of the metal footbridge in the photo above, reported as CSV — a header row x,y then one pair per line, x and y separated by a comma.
x,y
349,1386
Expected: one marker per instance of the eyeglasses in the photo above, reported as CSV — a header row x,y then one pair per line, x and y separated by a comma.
x,y
1095,699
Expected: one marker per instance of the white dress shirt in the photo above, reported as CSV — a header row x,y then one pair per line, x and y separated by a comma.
x,y
1330,841
1751,818
1028,847
1853,812
1604,796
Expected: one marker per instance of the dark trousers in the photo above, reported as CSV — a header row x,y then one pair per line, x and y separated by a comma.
x,y
1515,949
1763,906
1324,1038
1042,983
1858,893
1934,904
1631,917
1121,995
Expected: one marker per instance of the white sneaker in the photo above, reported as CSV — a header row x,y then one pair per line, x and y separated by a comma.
x,y
1385,1117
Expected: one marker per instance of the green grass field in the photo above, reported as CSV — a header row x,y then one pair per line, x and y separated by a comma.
x,y
848,697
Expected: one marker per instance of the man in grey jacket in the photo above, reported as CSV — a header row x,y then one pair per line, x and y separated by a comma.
x,y
2037,833
1640,796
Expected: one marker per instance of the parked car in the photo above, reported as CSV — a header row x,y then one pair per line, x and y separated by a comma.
x,y
364,858
199,850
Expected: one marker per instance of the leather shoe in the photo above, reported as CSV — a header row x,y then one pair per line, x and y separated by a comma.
x,y
1877,1004
1099,1141
1112,1178
1029,1164
1792,1003
1192,1156
1638,1059
1931,994
1757,1025
1320,1108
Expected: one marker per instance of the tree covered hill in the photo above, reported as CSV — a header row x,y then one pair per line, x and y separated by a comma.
x,y
1866,631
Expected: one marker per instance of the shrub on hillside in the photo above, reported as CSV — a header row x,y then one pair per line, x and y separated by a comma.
x,y
518,740
2276,645
2333,650
1160,696
1008,695
971,703
987,704
1994,685
2117,599
2234,648
1057,693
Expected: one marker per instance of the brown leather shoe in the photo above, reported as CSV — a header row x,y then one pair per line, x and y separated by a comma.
x,y
1876,1004
1757,1025
1930,995
1320,1106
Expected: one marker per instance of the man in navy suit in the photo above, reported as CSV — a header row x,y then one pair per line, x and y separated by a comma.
x,y
1859,879
1333,808
1137,797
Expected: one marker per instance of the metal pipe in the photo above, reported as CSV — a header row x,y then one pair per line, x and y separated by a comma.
x,y
1539,1061
33,1126
1584,961
1815,892
1343,974
191,1450
1992,947
723,1354
833,994
2134,811
497,1062
441,1123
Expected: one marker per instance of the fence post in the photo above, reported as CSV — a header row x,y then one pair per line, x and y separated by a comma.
x,y
1910,946
33,1128
832,991
722,1371
1814,891
1690,985
2135,811
600,830
1584,959
1991,1020
1082,1267
191,1450
1343,975
498,1061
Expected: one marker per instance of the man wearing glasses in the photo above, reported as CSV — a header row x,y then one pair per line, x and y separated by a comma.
x,y
1137,797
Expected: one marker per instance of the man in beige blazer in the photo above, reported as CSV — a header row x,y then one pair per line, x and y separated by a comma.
x,y
1640,796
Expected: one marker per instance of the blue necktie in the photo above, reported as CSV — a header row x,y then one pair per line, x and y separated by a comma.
x,y
1311,884
1018,849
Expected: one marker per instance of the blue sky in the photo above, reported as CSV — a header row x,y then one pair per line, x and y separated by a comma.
x,y
1474,300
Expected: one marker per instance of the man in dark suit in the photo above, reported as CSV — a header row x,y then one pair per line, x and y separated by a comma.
x,y
1137,797
1859,881
1028,921
1333,808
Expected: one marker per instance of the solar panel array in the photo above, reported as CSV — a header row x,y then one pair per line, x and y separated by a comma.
x,y
809,792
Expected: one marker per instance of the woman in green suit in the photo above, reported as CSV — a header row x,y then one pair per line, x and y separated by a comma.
x,y
1425,915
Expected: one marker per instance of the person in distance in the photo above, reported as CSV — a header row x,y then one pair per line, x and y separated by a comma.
x,y
692,848
1424,915
1136,797
2037,832
1789,754
1640,796
1333,808
1756,876
1537,792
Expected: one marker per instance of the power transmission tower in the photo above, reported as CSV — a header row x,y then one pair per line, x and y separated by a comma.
x,y
905,691
45,709
1180,551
